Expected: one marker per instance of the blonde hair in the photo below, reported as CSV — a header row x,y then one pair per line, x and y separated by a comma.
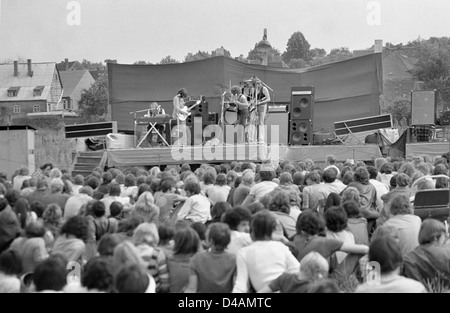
x,y
126,254
146,233
146,208
314,266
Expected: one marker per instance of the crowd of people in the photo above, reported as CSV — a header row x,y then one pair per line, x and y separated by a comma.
x,y
240,227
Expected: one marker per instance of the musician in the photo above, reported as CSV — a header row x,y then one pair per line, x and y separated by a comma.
x,y
260,98
242,110
179,108
155,110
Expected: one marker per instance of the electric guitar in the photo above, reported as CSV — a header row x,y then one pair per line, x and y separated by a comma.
x,y
183,113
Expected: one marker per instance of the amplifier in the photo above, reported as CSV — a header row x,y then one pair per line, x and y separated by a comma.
x,y
277,108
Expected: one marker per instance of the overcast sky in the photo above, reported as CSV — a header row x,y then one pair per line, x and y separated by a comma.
x,y
149,30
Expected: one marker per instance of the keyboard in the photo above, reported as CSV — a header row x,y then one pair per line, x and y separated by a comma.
x,y
159,119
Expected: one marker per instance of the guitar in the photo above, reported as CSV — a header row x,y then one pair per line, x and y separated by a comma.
x,y
183,114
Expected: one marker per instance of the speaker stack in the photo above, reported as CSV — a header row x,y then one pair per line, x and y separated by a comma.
x,y
423,104
301,115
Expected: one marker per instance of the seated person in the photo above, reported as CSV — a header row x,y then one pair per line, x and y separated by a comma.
x,y
153,138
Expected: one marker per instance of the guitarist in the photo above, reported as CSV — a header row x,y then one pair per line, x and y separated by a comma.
x,y
261,97
178,108
241,101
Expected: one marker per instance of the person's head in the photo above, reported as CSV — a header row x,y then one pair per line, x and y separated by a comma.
x,y
79,180
132,279
336,219
361,175
98,208
186,241
166,233
351,207
115,208
407,169
77,227
379,163
182,93
168,185
130,180
209,178
42,183
120,179
35,230
125,254
143,188
107,178
350,193
219,235
155,185
298,178
93,182
329,175
425,184
52,215
313,178
402,180
387,168
192,188
221,180
50,274
56,185
107,244
87,191
98,274
256,207
22,208
333,199
219,209
238,219
114,190
146,233
262,226
55,173
314,266
280,202
10,263
286,179
236,90
432,231
46,168
386,251
38,208
266,174
248,179
310,223
373,172
400,205
23,171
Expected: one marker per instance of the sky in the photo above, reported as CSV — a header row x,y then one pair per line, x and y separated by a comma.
x,y
149,30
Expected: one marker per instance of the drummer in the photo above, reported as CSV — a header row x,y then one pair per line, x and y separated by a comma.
x,y
242,110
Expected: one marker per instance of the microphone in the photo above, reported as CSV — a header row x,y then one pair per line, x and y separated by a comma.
x,y
224,93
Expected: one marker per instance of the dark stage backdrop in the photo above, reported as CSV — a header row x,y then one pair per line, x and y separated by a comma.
x,y
345,90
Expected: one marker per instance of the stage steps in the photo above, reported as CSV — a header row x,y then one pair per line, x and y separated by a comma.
x,y
85,162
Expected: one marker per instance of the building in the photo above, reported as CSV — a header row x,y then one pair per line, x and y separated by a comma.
x,y
74,81
69,66
29,88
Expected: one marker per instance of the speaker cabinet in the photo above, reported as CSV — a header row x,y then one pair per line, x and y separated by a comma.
x,y
300,132
302,103
278,120
201,110
423,104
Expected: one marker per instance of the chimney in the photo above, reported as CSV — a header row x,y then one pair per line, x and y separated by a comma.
x,y
66,62
16,68
30,72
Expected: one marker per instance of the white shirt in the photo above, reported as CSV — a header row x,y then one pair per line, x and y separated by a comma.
x,y
346,237
262,262
108,200
196,208
74,204
261,189
218,193
382,189
238,240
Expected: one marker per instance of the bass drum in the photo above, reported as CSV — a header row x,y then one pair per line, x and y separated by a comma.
x,y
230,116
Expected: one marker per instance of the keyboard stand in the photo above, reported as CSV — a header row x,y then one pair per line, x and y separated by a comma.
x,y
152,127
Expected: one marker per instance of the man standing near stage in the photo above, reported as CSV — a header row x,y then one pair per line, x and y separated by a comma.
x,y
179,114
242,109
258,110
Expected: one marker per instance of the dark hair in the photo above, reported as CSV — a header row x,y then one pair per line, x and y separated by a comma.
x,y
310,222
298,178
351,207
155,185
98,208
313,176
79,180
76,226
129,225
219,209
130,180
280,203
22,208
141,189
192,187
333,199
10,263
98,274
219,235
43,167
114,189
402,180
107,178
400,205
38,208
329,175
166,232
387,252
221,180
430,230
132,279
209,178
35,230
266,175
115,208
167,184
235,216
361,175
186,241
373,172
107,244
93,182
200,228
262,225
256,207
50,274
3,204
336,219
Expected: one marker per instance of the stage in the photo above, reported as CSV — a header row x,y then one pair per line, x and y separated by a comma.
x,y
229,153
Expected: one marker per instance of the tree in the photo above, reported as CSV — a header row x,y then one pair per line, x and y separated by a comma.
x,y
297,63
200,55
335,55
400,109
317,53
168,60
274,55
111,61
297,48
88,65
93,103
225,52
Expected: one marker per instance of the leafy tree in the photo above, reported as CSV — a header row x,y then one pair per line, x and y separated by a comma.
x,y
168,60
93,103
88,65
337,54
200,55
297,63
111,61
317,53
297,48
400,109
